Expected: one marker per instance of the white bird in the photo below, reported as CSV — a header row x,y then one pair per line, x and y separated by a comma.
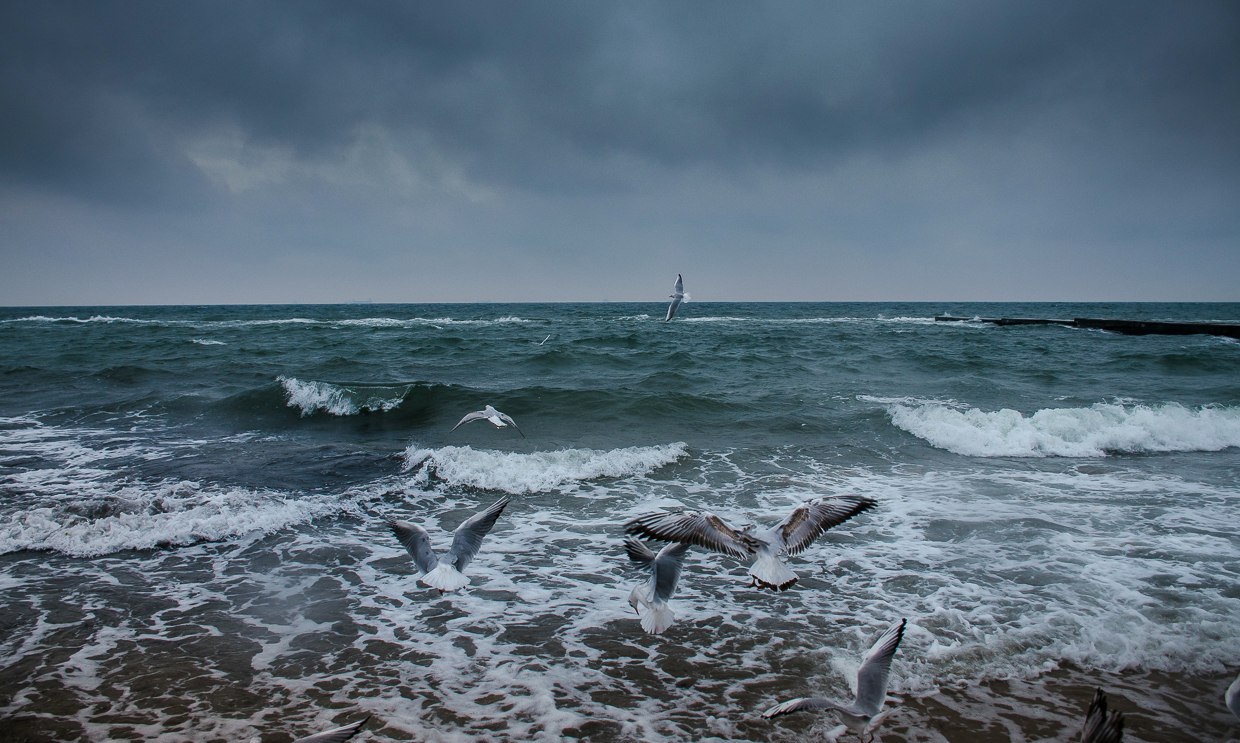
x,y
677,295
791,536
1232,697
336,735
497,419
657,591
1099,726
872,679
447,574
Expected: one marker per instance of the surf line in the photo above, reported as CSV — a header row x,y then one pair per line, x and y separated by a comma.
x,y
1127,327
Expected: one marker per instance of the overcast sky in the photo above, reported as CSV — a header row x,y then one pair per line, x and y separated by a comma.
x,y
300,151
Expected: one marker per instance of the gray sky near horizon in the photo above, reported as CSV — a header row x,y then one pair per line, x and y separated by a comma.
x,y
303,151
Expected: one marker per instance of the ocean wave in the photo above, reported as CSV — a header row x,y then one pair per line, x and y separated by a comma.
x,y
82,321
1095,431
520,473
374,322
312,397
148,516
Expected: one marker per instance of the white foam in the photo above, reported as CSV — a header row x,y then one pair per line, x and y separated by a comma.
x,y
209,342
513,472
311,397
144,516
1094,431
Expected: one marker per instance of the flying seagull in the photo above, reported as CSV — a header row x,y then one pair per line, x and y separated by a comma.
x,y
1232,697
872,679
677,295
657,590
498,419
791,536
336,735
1099,726
447,574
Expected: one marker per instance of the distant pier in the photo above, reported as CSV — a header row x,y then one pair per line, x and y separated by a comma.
x,y
1128,327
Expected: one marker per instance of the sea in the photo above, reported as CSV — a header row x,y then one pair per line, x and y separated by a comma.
x,y
193,507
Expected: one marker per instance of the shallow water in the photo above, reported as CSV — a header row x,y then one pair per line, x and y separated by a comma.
x,y
192,505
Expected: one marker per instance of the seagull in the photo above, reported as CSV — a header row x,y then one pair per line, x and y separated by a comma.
x,y
791,536
871,686
1099,726
658,589
498,419
336,735
677,295
446,575
1232,698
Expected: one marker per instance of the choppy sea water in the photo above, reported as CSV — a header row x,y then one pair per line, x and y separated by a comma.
x,y
192,505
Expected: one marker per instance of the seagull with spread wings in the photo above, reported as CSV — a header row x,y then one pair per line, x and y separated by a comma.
x,y
872,678
678,296
657,590
447,574
766,547
490,414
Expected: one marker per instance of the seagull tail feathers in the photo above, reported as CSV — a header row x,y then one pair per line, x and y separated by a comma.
x,y
769,572
658,619
445,577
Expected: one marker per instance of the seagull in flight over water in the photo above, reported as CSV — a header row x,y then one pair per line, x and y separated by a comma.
x,y
498,419
336,735
1099,726
447,574
677,295
655,593
872,679
791,536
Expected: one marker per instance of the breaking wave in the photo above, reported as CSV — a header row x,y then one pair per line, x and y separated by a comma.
x,y
1095,431
518,473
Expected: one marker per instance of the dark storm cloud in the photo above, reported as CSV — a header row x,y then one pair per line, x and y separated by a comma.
x,y
97,96
298,150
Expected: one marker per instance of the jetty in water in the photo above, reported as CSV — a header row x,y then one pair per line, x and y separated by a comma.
x,y
1128,327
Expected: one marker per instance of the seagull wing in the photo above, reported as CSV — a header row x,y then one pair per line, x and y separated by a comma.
x,y
699,528
1099,726
508,420
667,566
798,705
671,309
811,519
680,286
477,415
337,735
639,553
468,536
417,542
876,669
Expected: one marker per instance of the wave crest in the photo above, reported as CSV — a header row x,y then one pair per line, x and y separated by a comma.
x,y
1095,431
519,473
173,512
312,397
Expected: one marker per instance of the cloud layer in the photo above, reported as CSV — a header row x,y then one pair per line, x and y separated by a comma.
x,y
305,151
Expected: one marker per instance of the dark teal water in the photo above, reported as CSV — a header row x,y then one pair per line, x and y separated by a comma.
x,y
192,503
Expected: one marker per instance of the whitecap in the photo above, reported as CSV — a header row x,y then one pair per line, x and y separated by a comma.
x,y
516,473
144,516
1095,431
311,397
